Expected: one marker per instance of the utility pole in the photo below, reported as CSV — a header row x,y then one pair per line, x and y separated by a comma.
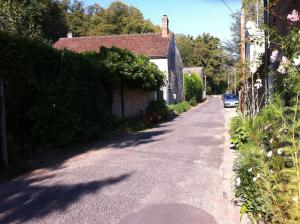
x,y
234,81
243,41
205,85
257,18
243,59
266,22
228,85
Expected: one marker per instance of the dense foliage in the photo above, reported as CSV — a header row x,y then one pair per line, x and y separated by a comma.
x,y
159,111
181,107
268,164
40,19
206,51
50,19
192,88
232,46
57,97
135,71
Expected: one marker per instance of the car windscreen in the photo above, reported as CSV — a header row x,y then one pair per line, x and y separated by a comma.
x,y
230,97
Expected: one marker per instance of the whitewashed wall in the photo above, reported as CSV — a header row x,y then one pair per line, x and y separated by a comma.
x,y
162,64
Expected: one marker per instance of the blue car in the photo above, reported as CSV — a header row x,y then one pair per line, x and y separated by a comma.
x,y
230,100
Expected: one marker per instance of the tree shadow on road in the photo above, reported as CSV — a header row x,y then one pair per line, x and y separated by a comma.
x,y
24,199
55,159
137,139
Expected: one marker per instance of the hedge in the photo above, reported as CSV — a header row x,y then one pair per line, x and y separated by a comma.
x,y
55,97
192,88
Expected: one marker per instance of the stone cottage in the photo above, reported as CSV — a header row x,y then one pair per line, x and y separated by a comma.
x,y
159,47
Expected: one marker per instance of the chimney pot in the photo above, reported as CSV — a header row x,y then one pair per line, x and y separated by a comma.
x,y
70,35
165,26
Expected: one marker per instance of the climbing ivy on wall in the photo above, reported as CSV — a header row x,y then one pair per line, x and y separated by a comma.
x,y
55,97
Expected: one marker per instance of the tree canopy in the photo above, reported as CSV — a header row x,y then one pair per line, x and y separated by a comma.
x,y
50,19
205,51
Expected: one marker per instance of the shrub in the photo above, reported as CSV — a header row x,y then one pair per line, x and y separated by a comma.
x,y
192,88
132,125
267,166
181,107
158,111
239,132
268,163
193,102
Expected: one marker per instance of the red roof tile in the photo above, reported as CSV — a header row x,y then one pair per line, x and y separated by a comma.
x,y
152,45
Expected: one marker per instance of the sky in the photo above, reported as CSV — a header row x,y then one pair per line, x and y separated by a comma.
x,y
192,17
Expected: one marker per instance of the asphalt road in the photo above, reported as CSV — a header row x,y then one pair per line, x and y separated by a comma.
x,y
178,173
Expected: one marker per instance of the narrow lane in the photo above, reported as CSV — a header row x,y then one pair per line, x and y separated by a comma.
x,y
177,173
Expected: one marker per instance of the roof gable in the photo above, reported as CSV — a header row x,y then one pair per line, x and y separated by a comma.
x,y
152,45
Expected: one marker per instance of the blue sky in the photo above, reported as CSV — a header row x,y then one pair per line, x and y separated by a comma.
x,y
186,16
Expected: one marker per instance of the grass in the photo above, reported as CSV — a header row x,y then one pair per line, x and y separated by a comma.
x,y
181,107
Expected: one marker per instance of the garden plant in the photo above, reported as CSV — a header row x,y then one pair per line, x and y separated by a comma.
x,y
267,182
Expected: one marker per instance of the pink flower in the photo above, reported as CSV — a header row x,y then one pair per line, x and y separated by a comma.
x,y
296,61
281,69
294,16
285,60
279,151
270,153
274,56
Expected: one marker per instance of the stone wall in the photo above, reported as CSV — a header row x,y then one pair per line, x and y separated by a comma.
x,y
175,67
134,101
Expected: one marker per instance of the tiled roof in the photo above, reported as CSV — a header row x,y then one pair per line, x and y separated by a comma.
x,y
152,44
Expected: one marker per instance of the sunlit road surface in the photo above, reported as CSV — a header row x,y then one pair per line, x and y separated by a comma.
x,y
180,172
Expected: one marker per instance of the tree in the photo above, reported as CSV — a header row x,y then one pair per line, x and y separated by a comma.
x,y
22,18
192,87
76,18
49,20
54,25
118,18
232,47
93,9
186,46
44,19
205,51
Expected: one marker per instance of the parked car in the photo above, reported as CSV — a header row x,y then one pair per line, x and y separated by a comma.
x,y
230,100
225,95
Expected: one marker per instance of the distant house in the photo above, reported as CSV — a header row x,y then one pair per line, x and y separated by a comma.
x,y
200,72
159,47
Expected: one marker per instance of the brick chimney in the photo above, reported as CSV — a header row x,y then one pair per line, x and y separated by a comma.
x,y
165,26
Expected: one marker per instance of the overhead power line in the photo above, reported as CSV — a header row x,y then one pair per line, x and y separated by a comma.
x,y
227,6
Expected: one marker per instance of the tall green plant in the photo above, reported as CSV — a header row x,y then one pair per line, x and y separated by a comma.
x,y
192,87
268,164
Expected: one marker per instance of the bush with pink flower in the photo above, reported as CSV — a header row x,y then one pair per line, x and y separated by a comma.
x,y
268,164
